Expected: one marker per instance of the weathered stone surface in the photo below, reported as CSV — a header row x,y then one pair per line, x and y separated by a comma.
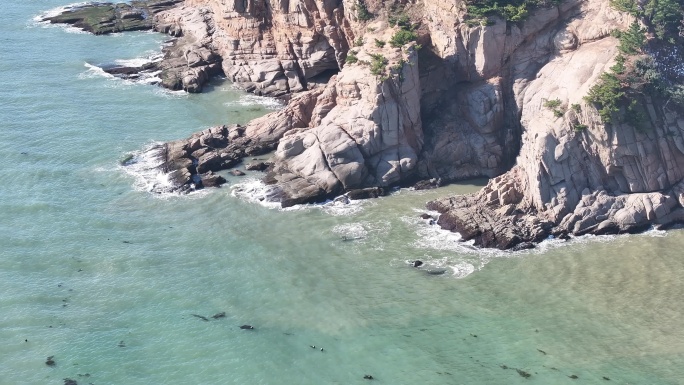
x,y
604,179
104,18
473,105
269,48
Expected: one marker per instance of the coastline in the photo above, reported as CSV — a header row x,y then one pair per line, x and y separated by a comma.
x,y
348,129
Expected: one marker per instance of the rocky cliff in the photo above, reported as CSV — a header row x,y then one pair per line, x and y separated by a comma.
x,y
388,93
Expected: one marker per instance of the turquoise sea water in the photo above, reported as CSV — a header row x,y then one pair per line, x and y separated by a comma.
x,y
105,277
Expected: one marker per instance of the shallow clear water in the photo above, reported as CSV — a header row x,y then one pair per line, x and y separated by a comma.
x,y
88,261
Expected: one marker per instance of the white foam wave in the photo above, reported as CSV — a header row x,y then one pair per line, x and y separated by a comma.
x,y
254,100
351,231
342,207
144,166
170,94
467,258
94,71
256,191
59,10
140,61
147,78
40,19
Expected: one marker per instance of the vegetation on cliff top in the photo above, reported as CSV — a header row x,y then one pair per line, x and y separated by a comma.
x,y
480,11
649,62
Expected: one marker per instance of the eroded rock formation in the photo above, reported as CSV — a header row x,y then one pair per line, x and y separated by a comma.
x,y
366,110
575,174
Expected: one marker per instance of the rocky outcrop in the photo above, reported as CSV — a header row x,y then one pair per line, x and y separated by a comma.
x,y
272,48
365,131
366,113
104,18
360,131
575,174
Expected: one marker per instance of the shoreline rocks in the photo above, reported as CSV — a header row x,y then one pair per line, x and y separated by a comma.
x,y
106,18
363,115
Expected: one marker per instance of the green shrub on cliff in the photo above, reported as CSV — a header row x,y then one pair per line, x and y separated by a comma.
x,y
632,40
378,64
510,10
351,58
403,36
362,12
402,20
663,17
606,94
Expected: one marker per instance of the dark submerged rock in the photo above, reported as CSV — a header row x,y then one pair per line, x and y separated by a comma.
x,y
50,361
203,318
367,377
247,327
209,179
366,193
69,381
219,315
428,184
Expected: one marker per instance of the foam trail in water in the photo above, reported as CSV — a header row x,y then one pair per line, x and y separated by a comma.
x,y
254,100
94,71
144,166
40,19
256,191
351,231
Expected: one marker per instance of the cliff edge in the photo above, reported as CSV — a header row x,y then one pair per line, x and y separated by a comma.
x,y
573,108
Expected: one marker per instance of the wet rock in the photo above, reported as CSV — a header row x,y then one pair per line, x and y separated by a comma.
x,y
426,216
237,172
50,361
210,179
247,327
417,263
257,166
105,18
523,246
428,184
366,193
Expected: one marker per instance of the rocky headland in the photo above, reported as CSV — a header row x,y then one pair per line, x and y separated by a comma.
x,y
573,108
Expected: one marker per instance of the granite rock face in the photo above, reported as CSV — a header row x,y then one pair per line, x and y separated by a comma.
x,y
364,132
470,103
598,178
272,47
